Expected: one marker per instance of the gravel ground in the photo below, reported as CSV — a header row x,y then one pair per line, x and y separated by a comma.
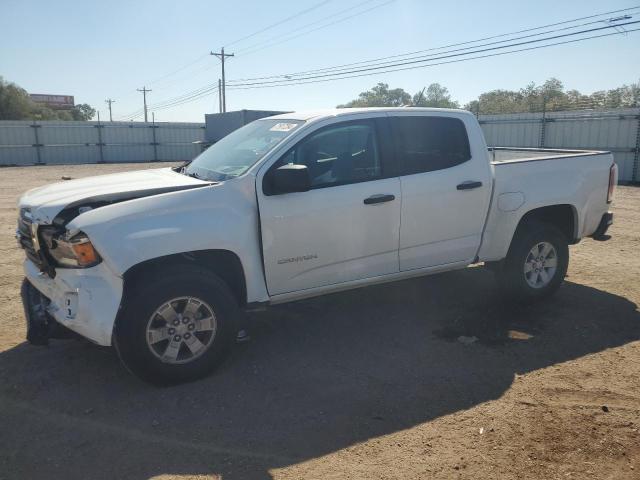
x,y
370,383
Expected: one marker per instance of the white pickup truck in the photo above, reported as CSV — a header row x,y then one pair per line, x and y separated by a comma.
x,y
161,263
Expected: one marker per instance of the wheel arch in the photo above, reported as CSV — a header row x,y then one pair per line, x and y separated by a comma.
x,y
562,216
510,271
224,263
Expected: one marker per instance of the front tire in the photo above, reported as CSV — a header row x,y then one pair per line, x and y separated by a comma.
x,y
536,264
177,327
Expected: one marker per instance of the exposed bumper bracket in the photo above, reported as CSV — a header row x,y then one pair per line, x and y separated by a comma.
x,y
40,325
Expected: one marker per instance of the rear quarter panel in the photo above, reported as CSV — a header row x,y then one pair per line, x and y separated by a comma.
x,y
580,181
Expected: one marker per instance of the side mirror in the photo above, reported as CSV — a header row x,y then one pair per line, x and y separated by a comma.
x,y
291,178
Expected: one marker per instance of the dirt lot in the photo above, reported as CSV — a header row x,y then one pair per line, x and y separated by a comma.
x,y
371,383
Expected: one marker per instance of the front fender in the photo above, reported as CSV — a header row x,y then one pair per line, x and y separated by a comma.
x,y
222,217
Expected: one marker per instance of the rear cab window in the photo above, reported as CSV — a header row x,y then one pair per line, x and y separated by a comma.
x,y
429,143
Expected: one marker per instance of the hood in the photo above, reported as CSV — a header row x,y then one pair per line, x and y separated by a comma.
x,y
50,201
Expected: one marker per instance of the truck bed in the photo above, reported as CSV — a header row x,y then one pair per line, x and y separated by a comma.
x,y
517,154
530,178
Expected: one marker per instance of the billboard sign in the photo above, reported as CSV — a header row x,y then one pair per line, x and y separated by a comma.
x,y
53,101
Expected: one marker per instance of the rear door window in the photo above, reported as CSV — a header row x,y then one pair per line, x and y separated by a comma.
x,y
426,144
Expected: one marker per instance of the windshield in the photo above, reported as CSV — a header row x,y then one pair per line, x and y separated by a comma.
x,y
238,151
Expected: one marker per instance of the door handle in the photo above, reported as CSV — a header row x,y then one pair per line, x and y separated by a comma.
x,y
469,185
379,198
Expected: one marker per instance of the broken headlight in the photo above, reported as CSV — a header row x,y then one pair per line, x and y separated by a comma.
x,y
71,251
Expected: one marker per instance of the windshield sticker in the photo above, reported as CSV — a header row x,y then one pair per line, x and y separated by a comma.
x,y
283,127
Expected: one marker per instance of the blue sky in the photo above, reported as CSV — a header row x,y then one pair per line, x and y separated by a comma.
x,y
95,50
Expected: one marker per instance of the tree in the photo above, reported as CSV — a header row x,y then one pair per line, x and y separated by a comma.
x,y
15,104
380,96
435,95
83,111
631,95
575,98
552,97
498,101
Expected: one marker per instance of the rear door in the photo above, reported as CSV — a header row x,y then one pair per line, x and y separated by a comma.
x,y
347,226
446,188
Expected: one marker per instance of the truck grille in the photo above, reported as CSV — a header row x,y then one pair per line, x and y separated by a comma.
x,y
25,237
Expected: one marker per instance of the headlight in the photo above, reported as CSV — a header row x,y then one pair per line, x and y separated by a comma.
x,y
70,251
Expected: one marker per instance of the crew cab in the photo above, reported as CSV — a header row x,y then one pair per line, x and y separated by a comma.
x,y
161,263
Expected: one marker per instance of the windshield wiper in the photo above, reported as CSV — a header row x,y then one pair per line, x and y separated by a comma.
x,y
218,176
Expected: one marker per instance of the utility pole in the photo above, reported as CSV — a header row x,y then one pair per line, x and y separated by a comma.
x,y
417,102
219,95
108,101
543,121
144,91
222,56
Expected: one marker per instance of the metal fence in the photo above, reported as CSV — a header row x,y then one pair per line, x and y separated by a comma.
x,y
617,131
58,142
44,143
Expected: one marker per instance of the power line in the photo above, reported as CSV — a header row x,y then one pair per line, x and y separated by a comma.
x,y
280,22
188,100
392,67
425,59
130,115
184,98
184,67
201,57
337,67
208,89
286,77
189,76
137,113
252,48
206,92
434,64
223,91
159,79
185,95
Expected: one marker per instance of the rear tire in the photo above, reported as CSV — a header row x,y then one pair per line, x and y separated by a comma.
x,y
177,327
536,264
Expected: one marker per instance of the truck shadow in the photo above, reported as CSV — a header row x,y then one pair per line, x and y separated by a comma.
x,y
320,375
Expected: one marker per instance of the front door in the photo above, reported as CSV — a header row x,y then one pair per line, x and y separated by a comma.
x,y
347,226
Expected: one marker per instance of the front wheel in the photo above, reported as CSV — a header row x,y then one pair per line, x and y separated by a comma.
x,y
536,264
177,327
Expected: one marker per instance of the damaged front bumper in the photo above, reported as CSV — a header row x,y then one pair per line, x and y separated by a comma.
x,y
85,301
41,326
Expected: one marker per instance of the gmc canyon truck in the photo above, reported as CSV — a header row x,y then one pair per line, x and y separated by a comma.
x,y
161,263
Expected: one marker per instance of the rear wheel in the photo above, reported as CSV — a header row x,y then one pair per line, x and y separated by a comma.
x,y
178,327
536,264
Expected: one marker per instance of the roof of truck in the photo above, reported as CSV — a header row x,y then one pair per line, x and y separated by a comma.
x,y
334,112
